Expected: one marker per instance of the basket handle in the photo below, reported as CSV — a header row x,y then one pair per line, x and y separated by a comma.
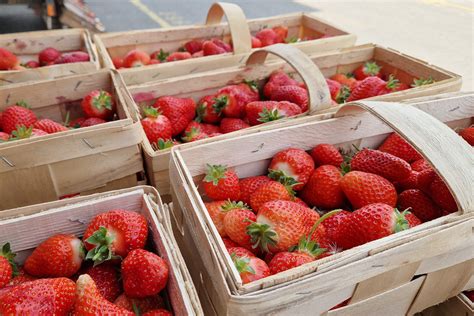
x,y
239,28
450,156
319,97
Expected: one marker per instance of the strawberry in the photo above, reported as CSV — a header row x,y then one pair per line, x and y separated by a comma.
x,y
339,92
420,165
22,132
256,43
362,188
76,123
114,233
8,268
48,56
198,54
233,98
143,305
375,221
208,110
323,188
419,204
418,82
49,126
368,69
468,135
222,44
326,154
91,121
368,87
338,232
89,301
250,268
229,125
283,261
144,274
31,64
343,79
98,103
193,133
412,219
393,85
277,79
210,48
250,185
240,252
424,179
72,57
106,278
381,163
238,217
221,183
300,201
293,94
154,62
266,111
178,56
282,33
21,277
8,60
268,37
155,125
159,55
165,144
58,256
118,62
442,196
39,297
202,127
193,46
293,166
158,312
270,191
399,147
217,214
180,111
15,116
136,58
228,243
4,137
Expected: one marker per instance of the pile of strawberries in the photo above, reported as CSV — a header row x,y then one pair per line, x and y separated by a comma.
x,y
19,121
47,57
200,48
59,277
313,204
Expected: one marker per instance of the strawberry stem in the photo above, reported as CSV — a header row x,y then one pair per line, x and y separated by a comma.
x,y
261,235
215,173
103,100
101,252
7,253
320,220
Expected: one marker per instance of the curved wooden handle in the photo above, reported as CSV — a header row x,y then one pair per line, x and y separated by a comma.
x,y
319,97
239,28
449,155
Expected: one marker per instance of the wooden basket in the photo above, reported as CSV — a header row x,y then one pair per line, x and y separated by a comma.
x,y
85,160
239,29
72,216
402,273
295,63
459,305
27,46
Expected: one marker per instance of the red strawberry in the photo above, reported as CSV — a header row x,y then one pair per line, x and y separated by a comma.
x,y
144,305
323,188
4,137
250,268
236,220
300,201
211,48
233,98
158,56
250,185
15,116
193,46
31,64
411,182
8,60
154,62
91,121
282,33
362,188
180,111
368,69
470,295
217,214
72,57
158,312
221,183
208,110
344,80
266,111
339,92
165,144
392,85
22,132
222,44
419,204
106,278
118,62
89,301
240,252
178,56
270,191
136,58
420,165
291,166
76,123
203,127
98,103
256,43
369,87
48,56
8,267
283,261
21,277
229,125
399,147
338,232
277,79
198,54
326,154
293,94
58,256
155,125
468,135
144,273
412,219
267,37
114,233
49,126
39,297
442,196
193,133
381,163
229,243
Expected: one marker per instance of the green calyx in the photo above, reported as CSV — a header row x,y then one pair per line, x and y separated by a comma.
x,y
422,81
7,253
401,223
102,242
164,144
343,94
309,247
102,101
392,83
252,84
262,236
371,68
22,132
242,264
232,205
283,178
23,104
292,39
150,111
215,173
220,103
191,134
268,115
161,56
